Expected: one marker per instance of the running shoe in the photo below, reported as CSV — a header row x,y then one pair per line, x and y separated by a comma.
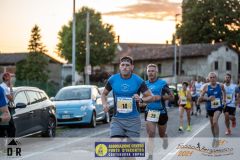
x,y
165,143
180,129
228,132
189,128
215,142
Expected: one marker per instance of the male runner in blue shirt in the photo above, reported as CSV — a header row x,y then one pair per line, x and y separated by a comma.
x,y
126,87
156,112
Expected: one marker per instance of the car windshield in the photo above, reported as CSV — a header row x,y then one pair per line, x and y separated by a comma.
x,y
73,94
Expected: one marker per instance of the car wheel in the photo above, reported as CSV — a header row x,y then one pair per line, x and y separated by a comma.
x,y
93,121
51,128
106,118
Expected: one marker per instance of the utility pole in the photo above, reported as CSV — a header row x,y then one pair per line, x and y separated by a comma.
x,y
87,66
175,60
179,59
73,45
175,52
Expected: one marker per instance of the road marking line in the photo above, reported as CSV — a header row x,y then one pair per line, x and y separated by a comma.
x,y
64,144
174,151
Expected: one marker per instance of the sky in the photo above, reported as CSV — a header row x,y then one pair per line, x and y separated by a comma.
x,y
135,21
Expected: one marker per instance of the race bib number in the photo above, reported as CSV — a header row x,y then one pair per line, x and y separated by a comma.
x,y
229,97
183,100
216,103
153,115
124,105
198,90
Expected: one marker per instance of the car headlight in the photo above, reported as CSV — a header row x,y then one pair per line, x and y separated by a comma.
x,y
83,108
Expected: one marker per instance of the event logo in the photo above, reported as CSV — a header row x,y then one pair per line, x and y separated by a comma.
x,y
10,149
13,149
188,149
119,149
125,87
101,150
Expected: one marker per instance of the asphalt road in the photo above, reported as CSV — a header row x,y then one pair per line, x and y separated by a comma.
x,y
78,142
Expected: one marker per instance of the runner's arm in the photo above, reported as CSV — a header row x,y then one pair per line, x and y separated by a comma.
x,y
224,93
237,95
104,94
167,94
202,98
189,96
147,94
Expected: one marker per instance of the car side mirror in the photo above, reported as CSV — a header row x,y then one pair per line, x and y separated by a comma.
x,y
52,98
21,105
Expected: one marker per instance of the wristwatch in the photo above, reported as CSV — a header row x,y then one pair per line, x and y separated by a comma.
x,y
141,100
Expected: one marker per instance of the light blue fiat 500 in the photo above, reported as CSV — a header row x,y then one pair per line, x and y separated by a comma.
x,y
79,104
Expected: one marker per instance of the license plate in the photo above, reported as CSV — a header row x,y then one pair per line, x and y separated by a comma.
x,y
65,116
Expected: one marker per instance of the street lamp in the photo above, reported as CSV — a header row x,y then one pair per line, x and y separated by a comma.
x,y
73,45
175,51
87,66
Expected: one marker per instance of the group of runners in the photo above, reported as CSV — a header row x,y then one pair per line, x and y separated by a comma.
x,y
218,97
130,90
127,88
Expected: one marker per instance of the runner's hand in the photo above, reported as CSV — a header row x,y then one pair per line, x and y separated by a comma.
x,y
212,98
5,117
106,108
136,97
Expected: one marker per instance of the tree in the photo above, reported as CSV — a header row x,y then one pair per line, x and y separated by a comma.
x,y
102,44
34,68
205,21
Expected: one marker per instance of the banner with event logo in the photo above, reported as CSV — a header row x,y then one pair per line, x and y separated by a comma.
x,y
106,148
119,149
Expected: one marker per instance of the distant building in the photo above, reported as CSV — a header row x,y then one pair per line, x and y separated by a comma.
x,y
8,63
192,59
67,75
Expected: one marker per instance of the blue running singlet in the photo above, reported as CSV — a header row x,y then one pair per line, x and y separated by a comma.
x,y
217,92
123,91
156,89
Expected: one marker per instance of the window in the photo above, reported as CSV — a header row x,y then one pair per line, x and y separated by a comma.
x,y
216,65
43,96
21,98
159,68
228,66
33,97
75,93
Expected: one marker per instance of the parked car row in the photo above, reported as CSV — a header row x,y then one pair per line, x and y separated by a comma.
x,y
81,104
35,113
